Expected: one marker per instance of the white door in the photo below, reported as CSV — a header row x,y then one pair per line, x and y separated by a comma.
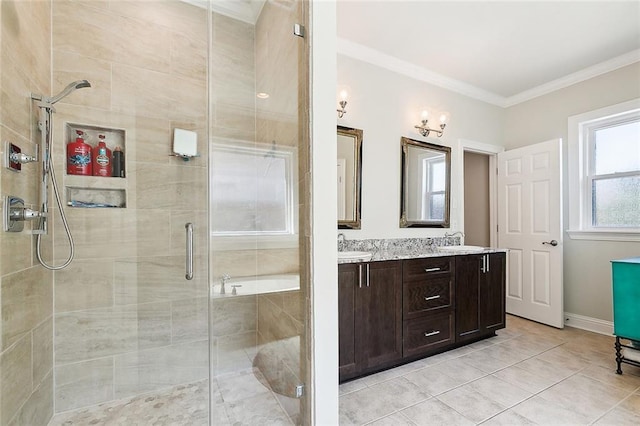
x,y
530,226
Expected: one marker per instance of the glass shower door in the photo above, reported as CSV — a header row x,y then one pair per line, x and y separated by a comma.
x,y
131,331
257,168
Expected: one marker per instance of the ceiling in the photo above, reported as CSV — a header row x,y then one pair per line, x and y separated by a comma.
x,y
501,52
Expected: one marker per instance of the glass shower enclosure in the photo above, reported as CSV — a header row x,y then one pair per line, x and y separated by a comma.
x,y
135,336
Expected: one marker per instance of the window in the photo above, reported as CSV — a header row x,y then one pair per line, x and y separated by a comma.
x,y
604,173
252,195
434,176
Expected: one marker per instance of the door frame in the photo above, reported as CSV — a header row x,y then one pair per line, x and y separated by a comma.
x,y
467,145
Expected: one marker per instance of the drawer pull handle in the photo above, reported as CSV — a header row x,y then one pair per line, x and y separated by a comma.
x,y
433,333
432,297
432,269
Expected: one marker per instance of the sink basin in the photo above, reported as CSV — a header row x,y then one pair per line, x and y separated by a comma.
x,y
467,249
355,255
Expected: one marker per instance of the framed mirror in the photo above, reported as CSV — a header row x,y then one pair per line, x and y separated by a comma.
x,y
349,177
426,182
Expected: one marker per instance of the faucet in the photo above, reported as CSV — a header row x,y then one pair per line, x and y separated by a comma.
x,y
453,234
223,280
341,240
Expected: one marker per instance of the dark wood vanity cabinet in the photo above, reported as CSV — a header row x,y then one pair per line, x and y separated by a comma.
x,y
370,316
428,304
480,295
397,311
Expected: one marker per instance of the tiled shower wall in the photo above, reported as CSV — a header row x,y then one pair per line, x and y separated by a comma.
x,y
280,315
264,58
126,320
26,289
124,323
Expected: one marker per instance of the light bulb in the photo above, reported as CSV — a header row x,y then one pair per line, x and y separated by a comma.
x,y
344,95
425,114
443,119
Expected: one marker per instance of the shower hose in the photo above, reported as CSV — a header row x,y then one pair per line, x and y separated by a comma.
x,y
48,169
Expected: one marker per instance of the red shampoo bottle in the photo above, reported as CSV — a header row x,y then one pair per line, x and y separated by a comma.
x,y
102,159
79,156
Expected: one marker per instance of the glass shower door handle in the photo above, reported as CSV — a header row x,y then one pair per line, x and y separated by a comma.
x,y
189,266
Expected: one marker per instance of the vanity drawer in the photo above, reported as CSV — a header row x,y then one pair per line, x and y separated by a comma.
x,y
424,334
434,293
419,269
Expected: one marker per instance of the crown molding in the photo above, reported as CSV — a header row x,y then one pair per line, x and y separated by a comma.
x,y
576,77
366,54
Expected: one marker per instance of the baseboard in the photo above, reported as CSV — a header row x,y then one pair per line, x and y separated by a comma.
x,y
587,323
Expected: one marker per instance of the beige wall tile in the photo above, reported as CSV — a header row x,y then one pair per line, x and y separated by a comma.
x,y
231,316
152,279
84,335
172,186
42,351
146,46
26,301
235,117
178,16
189,320
85,284
189,55
28,47
278,261
103,233
236,263
153,140
144,371
233,352
274,323
83,28
155,94
15,374
71,66
83,383
15,99
39,407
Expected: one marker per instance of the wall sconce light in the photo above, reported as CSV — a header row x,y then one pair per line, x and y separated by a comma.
x,y
424,129
342,103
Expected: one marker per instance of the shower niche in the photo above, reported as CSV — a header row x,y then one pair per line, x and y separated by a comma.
x,y
89,191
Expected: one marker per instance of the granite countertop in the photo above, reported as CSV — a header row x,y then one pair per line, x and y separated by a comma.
x,y
397,254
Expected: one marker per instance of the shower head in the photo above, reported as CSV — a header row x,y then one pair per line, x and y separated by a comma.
x,y
67,90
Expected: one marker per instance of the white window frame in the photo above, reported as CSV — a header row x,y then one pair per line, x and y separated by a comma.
x,y
230,240
579,144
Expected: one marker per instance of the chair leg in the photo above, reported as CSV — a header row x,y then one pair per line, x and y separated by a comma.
x,y
618,355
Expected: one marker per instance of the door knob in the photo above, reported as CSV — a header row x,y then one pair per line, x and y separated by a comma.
x,y
551,243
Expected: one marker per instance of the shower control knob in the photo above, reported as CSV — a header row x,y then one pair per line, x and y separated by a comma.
x,y
24,213
19,157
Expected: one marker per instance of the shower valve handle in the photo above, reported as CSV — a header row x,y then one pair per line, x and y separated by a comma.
x,y
19,157
24,213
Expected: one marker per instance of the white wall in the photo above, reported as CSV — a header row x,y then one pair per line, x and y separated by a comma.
x,y
587,272
386,106
324,265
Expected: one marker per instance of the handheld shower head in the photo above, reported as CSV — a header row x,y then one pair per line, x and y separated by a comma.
x,y
67,90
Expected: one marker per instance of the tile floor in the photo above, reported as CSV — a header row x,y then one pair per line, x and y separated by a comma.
x,y
239,398
528,374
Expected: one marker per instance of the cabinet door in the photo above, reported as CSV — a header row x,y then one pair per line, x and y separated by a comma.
x,y
468,277
492,301
347,286
379,314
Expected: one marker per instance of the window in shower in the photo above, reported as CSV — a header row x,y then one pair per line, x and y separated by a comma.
x,y
253,193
